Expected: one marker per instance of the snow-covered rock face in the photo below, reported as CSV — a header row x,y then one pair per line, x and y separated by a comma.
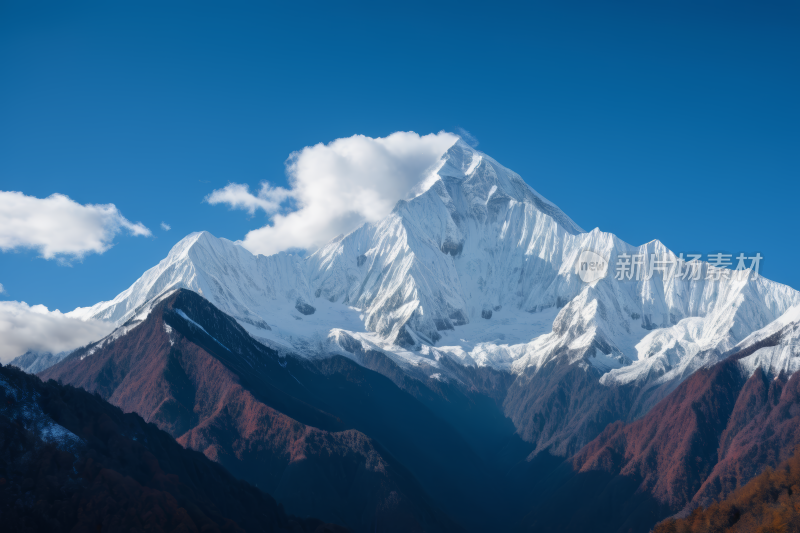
x,y
34,362
477,267
718,315
775,348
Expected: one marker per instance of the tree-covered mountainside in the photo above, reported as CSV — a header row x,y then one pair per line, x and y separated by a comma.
x,y
768,503
70,461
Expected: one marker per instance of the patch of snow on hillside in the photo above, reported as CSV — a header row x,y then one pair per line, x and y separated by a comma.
x,y
198,326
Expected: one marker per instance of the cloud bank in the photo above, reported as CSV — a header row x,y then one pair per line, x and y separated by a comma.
x,y
336,187
59,227
24,327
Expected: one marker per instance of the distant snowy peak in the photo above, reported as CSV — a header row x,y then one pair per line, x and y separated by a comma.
x,y
34,362
227,274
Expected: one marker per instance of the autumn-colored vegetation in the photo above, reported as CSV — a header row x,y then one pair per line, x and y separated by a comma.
x,y
124,475
769,503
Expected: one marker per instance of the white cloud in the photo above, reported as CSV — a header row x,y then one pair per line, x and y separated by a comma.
x,y
59,227
165,226
2,289
238,196
336,187
24,327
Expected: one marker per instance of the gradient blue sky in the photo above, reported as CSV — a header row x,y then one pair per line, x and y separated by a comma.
x,y
671,120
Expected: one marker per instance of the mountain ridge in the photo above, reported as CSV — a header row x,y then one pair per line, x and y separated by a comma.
x,y
744,405
479,269
73,462
285,423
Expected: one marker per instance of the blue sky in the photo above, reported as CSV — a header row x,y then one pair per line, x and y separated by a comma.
x,y
671,120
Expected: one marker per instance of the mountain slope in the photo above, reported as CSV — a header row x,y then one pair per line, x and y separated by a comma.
x,y
457,331
769,502
286,424
72,462
480,270
717,430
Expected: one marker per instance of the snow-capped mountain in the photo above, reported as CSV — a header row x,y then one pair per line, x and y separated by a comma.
x,y
469,298
478,269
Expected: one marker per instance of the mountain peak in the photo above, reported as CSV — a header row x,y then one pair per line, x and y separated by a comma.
x,y
481,247
483,178
203,239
